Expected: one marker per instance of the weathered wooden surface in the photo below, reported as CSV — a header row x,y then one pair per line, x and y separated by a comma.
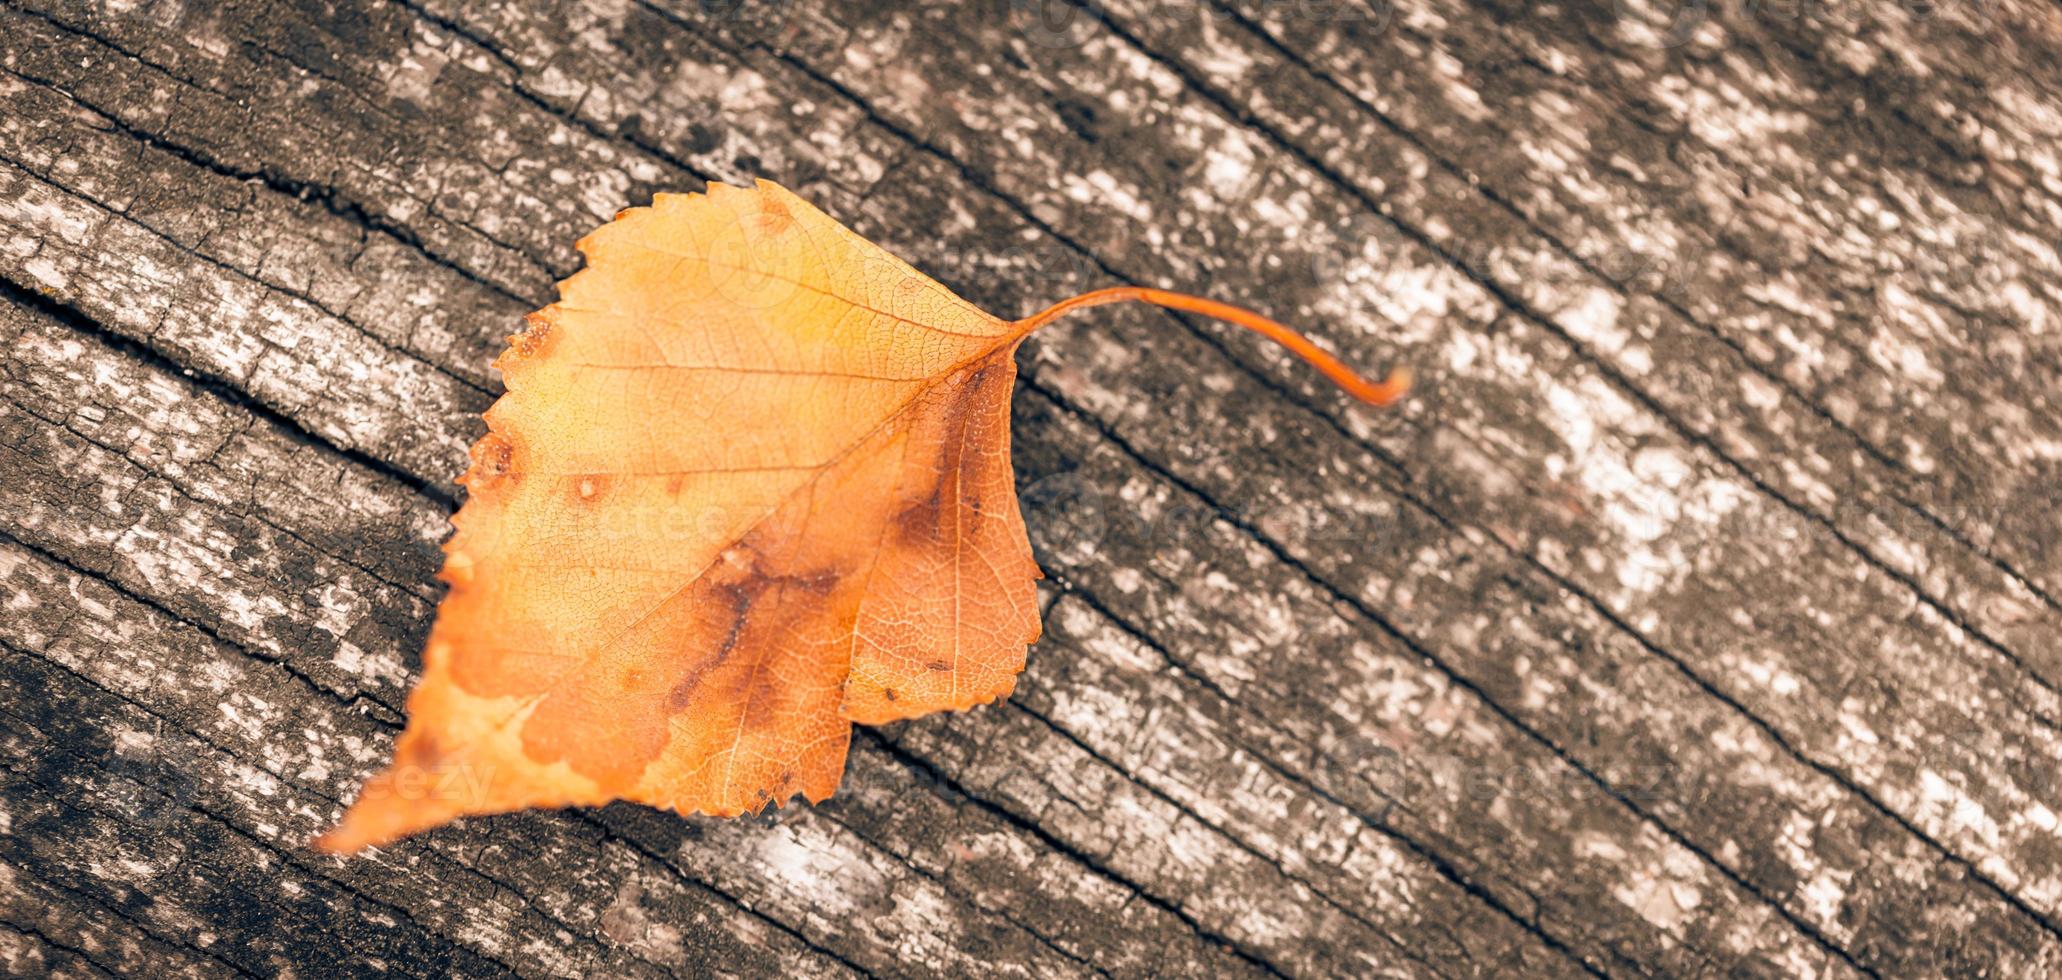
x,y
1698,616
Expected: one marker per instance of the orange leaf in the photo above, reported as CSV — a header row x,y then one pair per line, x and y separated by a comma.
x,y
750,484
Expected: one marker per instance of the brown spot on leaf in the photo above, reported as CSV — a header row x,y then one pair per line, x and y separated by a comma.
x,y
755,624
493,459
817,583
959,460
740,597
774,217
539,334
919,521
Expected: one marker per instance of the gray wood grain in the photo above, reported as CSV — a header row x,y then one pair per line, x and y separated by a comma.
x,y
1696,616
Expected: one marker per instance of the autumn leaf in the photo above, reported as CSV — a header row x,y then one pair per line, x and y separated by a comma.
x,y
750,484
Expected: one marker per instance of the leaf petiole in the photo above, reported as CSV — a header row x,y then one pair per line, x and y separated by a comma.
x,y
1385,392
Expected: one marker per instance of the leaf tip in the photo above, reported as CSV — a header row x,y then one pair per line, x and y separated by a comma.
x,y
1388,391
350,836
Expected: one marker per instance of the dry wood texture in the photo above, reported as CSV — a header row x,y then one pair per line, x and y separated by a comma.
x,y
1697,616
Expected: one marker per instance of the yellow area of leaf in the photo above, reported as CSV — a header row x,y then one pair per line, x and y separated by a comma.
x,y
750,484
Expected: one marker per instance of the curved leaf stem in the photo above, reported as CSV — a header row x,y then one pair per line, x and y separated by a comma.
x,y
1384,392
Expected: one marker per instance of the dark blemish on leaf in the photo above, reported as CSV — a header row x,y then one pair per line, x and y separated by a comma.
x,y
938,665
919,521
493,459
740,597
750,607
428,749
923,519
970,398
888,692
682,694
539,334
816,583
